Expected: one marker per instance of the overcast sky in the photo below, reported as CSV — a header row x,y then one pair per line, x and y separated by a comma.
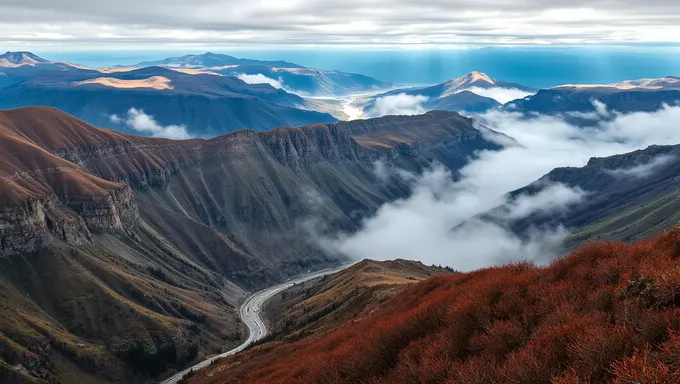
x,y
393,23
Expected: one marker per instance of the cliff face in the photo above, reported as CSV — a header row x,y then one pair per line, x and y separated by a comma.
x,y
145,245
45,197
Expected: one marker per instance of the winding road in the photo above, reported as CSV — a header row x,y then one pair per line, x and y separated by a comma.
x,y
250,315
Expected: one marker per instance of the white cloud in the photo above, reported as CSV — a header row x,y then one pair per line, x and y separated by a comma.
x,y
502,95
401,104
261,79
641,170
396,23
141,122
552,198
600,108
440,222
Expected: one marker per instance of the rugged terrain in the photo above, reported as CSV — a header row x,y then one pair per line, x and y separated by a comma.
x,y
203,104
607,313
147,245
628,197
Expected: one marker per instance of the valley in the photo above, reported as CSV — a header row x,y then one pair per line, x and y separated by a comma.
x,y
213,219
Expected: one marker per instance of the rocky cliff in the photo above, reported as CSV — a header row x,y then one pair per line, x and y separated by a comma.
x,y
144,246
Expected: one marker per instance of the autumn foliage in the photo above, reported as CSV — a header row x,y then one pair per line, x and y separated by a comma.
x,y
609,312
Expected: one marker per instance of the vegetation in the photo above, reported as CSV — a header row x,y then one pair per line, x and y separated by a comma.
x,y
609,312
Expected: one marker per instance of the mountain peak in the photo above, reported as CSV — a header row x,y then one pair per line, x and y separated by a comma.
x,y
18,59
472,79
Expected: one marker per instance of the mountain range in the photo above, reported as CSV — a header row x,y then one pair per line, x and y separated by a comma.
x,y
203,105
124,256
575,101
475,92
292,77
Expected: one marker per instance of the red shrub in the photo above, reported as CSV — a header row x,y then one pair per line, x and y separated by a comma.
x,y
607,312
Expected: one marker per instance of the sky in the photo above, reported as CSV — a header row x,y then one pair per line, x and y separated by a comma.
x,y
449,24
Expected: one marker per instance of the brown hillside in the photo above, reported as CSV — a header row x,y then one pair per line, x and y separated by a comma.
x,y
609,312
328,302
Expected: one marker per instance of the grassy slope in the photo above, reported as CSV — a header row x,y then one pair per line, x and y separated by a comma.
x,y
328,302
609,312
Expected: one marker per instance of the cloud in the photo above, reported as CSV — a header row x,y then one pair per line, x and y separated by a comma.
x,y
261,79
552,198
641,170
502,95
351,22
141,122
400,104
600,108
445,220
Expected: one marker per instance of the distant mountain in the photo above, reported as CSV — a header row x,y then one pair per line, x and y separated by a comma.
x,y
17,66
204,105
472,93
660,84
210,60
123,257
627,96
19,59
292,77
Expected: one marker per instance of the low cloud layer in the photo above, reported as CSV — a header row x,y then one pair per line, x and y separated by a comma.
x,y
501,95
143,123
642,170
440,222
261,79
401,104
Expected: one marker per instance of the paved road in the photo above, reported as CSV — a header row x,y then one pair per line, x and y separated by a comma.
x,y
250,314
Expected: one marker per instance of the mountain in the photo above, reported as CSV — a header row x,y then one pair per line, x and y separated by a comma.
x,y
199,104
627,96
607,313
209,59
19,59
473,93
123,257
17,66
631,196
292,77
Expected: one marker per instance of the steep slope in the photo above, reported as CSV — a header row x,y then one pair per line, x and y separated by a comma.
x,y
147,244
89,292
293,77
326,303
630,196
606,313
472,93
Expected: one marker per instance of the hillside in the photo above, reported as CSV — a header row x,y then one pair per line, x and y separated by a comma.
x,y
328,302
606,313
148,245
631,196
